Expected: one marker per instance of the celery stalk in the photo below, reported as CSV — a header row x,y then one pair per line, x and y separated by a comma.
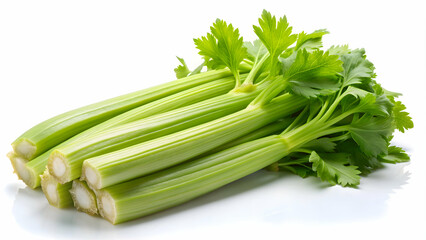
x,y
173,186
211,89
83,197
55,130
142,159
56,194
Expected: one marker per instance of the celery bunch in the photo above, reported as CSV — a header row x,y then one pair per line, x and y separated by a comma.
x,y
280,102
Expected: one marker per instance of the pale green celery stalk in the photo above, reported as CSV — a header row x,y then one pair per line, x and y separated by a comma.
x,y
56,194
83,197
154,155
55,130
30,172
176,185
65,162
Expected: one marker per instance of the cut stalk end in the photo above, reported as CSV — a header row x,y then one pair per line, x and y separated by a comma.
x,y
84,198
24,148
91,176
56,194
106,206
20,168
58,167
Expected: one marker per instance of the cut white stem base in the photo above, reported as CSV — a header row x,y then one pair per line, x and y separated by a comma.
x,y
106,205
58,167
90,175
83,197
18,164
25,149
56,194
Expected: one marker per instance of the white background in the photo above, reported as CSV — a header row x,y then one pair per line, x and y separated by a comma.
x,y
60,55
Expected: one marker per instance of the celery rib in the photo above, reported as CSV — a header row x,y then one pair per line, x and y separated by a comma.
x,y
55,130
171,187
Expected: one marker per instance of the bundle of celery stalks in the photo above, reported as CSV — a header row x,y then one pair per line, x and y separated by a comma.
x,y
280,103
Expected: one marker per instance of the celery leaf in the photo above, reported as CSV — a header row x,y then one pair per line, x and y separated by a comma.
x,y
366,102
335,169
366,164
339,50
311,41
371,134
223,47
356,67
401,119
276,36
255,49
313,74
395,155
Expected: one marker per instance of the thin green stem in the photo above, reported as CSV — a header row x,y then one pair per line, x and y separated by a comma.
x,y
237,80
256,67
343,137
274,89
312,130
248,61
332,130
330,110
296,121
303,150
341,117
322,110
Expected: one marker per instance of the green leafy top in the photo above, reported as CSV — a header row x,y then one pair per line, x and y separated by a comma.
x,y
223,47
346,128
350,133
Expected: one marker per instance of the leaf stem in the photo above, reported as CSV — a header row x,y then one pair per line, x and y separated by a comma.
x,y
296,121
256,67
278,85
